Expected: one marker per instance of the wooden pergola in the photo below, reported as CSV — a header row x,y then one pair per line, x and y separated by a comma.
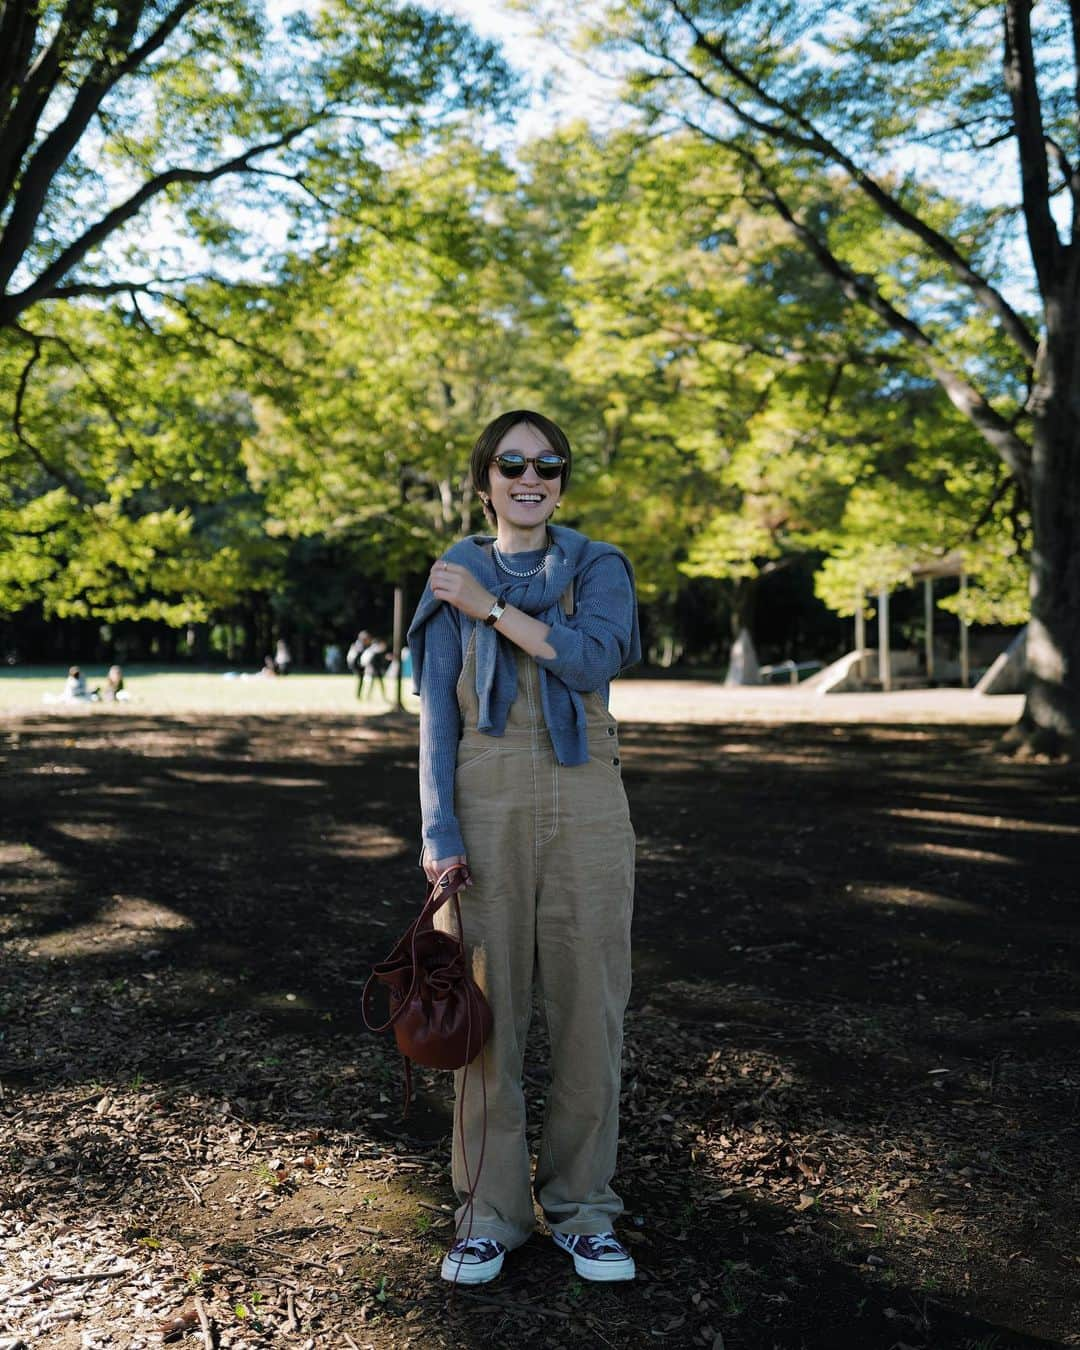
x,y
951,565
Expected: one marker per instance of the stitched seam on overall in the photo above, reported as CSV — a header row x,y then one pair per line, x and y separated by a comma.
x,y
554,806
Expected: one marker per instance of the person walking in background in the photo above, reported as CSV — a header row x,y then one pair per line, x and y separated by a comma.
x,y
282,657
357,648
372,667
513,645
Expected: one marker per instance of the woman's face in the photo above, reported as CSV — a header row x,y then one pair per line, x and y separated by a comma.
x,y
530,499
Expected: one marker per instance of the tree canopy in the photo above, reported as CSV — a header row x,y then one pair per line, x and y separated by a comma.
x,y
264,283
892,100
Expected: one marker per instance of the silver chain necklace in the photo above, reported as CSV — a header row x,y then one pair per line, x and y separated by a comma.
x,y
532,572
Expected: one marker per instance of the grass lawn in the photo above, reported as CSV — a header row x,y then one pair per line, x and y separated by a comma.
x,y
158,689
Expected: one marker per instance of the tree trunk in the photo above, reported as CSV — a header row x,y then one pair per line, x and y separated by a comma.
x,y
743,663
1051,720
744,605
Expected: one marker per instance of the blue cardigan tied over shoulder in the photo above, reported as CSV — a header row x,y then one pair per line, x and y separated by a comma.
x,y
571,554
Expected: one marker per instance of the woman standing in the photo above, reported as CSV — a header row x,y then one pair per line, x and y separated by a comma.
x,y
514,643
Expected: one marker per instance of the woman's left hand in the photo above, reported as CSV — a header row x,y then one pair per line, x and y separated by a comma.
x,y
457,586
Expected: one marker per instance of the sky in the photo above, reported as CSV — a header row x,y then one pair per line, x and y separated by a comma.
x,y
564,87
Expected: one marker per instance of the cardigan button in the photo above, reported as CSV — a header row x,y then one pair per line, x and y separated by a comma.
x,y
611,731
615,760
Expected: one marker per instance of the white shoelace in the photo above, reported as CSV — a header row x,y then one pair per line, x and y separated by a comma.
x,y
484,1249
599,1245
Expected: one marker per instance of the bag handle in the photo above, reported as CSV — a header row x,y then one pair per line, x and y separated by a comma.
x,y
443,884
443,888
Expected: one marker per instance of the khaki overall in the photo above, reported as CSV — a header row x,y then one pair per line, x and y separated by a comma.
x,y
551,850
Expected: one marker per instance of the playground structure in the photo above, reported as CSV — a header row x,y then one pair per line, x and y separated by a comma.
x,y
886,669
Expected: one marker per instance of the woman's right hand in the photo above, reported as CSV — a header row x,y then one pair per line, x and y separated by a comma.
x,y
435,867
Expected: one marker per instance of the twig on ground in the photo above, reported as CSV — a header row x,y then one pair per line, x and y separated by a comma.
x,y
71,1279
290,1307
204,1322
280,1255
517,1307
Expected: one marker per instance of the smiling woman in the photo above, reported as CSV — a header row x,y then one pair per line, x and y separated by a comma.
x,y
514,645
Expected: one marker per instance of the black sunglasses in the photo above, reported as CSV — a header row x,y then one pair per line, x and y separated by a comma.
x,y
512,465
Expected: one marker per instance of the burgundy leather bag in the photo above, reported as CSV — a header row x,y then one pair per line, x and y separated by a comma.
x,y
439,1014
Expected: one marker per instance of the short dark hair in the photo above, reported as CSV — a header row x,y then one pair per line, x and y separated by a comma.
x,y
488,442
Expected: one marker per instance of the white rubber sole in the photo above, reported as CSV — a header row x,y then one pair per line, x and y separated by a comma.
x,y
601,1271
471,1274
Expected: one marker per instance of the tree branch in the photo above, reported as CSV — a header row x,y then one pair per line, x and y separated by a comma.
x,y
1074,19
861,289
1020,81
1070,182
1002,485
1060,159
18,28
812,139
42,288
105,288
37,176
833,389
115,61
74,487
35,86
253,348
103,394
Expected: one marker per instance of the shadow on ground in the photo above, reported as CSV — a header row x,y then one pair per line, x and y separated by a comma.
x,y
851,1082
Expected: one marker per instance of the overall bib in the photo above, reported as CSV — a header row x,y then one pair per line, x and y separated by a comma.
x,y
551,851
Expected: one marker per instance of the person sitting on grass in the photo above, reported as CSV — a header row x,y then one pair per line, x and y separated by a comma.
x,y
75,686
114,690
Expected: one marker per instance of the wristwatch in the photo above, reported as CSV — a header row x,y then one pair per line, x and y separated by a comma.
x,y
495,613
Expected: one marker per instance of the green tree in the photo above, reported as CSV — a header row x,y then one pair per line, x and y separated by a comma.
x,y
130,498
247,142
743,409
408,346
797,96
108,110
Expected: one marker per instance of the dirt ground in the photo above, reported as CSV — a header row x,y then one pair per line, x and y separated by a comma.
x,y
852,1075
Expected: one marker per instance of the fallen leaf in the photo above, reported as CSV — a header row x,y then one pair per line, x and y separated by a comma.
x,y
176,1326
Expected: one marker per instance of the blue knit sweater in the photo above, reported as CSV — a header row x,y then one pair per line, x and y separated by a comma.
x,y
591,646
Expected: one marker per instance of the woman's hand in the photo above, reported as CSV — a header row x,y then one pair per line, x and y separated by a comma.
x,y
435,867
457,586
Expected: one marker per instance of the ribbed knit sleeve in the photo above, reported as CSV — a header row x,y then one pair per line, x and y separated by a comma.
x,y
593,645
440,731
